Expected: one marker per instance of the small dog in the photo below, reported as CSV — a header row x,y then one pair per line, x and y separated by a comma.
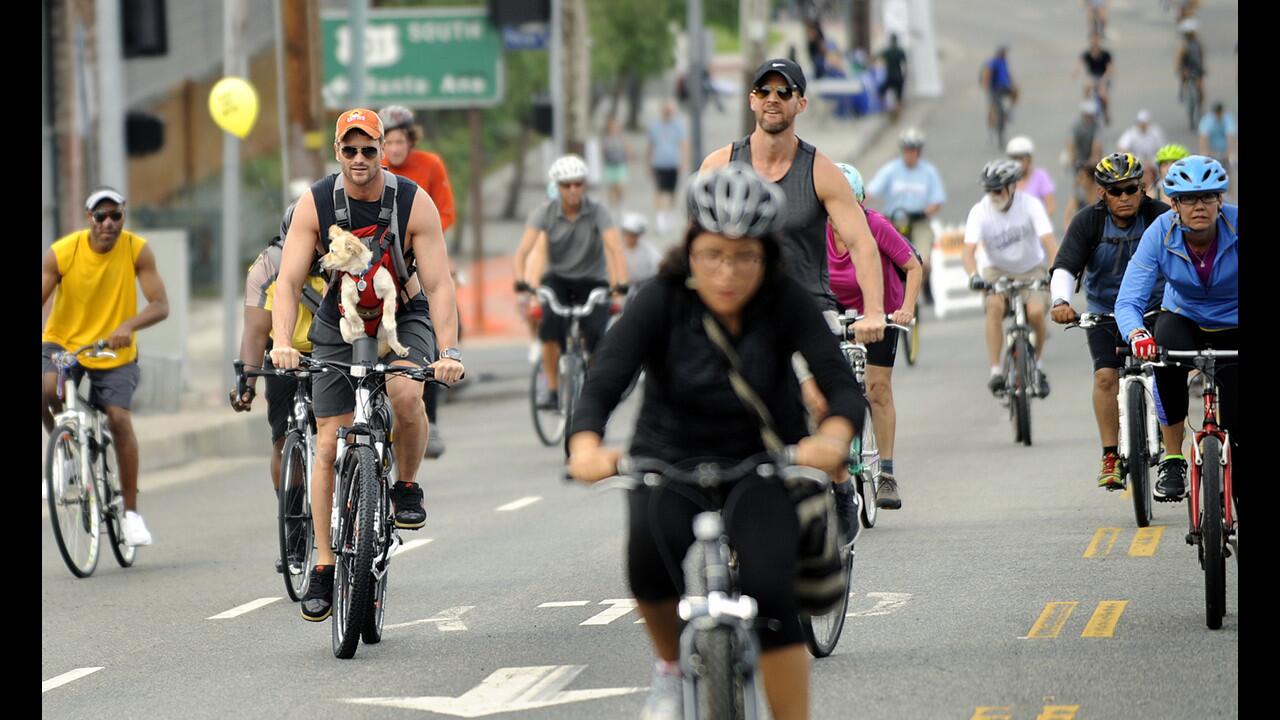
x,y
350,256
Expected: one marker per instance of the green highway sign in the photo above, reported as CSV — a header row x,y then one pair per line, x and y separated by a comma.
x,y
424,58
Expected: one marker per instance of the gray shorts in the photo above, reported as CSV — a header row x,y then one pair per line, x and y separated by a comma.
x,y
107,388
332,393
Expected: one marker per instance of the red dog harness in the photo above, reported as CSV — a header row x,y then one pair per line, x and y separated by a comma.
x,y
368,304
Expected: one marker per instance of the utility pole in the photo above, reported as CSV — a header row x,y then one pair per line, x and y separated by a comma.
x,y
575,75
860,26
282,94
555,71
233,65
693,81
355,26
302,64
752,15
111,99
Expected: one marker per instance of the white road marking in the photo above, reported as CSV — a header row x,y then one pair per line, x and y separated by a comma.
x,y
448,620
66,677
412,545
242,609
620,607
565,603
516,505
887,602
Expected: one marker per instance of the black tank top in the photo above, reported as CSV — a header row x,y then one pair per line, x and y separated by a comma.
x,y
803,237
364,224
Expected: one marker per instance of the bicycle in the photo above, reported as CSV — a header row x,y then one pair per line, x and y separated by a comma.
x,y
83,488
864,452
293,506
1019,358
911,340
1140,440
1189,96
719,650
551,423
1211,506
362,525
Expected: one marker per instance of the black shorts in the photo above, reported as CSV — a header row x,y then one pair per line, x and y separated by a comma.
x,y
1103,341
894,85
331,392
666,179
107,388
884,352
279,403
573,292
765,532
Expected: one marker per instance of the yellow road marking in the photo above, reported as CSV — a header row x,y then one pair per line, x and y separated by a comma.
x,y
993,712
1101,536
1146,541
1058,712
1052,619
1105,617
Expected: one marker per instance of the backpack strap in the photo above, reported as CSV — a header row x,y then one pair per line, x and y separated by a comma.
x,y
388,223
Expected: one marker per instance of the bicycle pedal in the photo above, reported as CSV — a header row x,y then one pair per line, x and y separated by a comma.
x,y
1191,539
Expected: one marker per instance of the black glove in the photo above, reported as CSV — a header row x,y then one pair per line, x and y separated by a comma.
x,y
522,286
621,288
976,282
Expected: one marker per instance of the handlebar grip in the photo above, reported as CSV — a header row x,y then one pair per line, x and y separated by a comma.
x,y
242,385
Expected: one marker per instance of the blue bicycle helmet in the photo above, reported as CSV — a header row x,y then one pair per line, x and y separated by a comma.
x,y
854,179
1195,174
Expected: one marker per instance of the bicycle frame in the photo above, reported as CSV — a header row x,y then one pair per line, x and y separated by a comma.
x,y
1210,427
1134,371
86,422
1017,306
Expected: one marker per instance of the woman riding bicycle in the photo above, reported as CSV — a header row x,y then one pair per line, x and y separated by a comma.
x,y
728,273
896,257
1194,247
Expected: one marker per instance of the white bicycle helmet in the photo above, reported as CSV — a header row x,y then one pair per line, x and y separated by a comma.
x,y
911,138
634,223
1020,145
568,167
735,202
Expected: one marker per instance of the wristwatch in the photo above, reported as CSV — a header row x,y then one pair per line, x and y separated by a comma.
x,y
452,353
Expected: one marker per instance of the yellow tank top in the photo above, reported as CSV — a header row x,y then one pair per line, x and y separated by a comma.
x,y
302,328
96,294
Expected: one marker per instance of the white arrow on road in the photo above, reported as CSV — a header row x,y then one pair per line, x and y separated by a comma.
x,y
449,620
621,606
886,603
506,690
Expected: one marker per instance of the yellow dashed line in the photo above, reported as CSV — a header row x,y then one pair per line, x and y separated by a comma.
x,y
993,712
1146,541
1105,617
1058,712
1103,540
1052,619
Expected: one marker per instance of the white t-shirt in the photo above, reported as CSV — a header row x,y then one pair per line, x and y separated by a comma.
x,y
642,261
1144,145
1008,241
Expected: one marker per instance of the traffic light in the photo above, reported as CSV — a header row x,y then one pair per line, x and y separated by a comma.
x,y
146,32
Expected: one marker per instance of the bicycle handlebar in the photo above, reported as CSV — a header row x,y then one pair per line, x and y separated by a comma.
x,y
1090,320
848,319
597,296
95,350
636,471
1007,284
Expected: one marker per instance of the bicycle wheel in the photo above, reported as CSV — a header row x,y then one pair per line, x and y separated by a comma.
x,y
293,517
372,632
718,693
1023,389
822,632
112,502
1192,96
548,423
911,341
357,540
868,471
73,503
1213,557
1137,468
570,387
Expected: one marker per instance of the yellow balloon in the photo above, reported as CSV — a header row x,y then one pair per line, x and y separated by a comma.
x,y
233,103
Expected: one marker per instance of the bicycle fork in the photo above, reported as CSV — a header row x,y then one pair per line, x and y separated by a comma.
x,y
1151,422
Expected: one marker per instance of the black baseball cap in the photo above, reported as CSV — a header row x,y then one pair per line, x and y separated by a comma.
x,y
784,67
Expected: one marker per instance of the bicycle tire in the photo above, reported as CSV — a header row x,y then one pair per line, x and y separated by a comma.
x,y
1211,533
113,511
822,632
72,520
1023,390
292,505
868,475
1138,469
372,631
571,386
912,340
1193,105
357,535
715,687
548,424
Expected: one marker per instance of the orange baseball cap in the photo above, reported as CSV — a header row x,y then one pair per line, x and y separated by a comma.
x,y
363,119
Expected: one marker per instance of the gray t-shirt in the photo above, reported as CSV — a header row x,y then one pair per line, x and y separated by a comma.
x,y
575,248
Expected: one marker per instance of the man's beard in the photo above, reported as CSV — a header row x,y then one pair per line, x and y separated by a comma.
x,y
774,128
372,175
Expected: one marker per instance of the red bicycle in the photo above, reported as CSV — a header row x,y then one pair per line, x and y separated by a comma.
x,y
1211,505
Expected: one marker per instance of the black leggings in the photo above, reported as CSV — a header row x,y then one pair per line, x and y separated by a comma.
x,y
761,521
1176,332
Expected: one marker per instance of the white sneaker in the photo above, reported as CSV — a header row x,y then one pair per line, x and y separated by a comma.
x,y
666,697
135,530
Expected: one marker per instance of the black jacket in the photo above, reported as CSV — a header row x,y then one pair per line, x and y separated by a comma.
x,y
1102,264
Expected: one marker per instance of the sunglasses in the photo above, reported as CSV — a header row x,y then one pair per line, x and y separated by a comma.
x,y
369,151
571,184
1114,191
101,216
784,92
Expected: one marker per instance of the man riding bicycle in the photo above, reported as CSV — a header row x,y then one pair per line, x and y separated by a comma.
x,y
1084,150
582,252
1099,243
911,192
1098,66
998,82
1008,234
96,272
1189,61
392,215
1195,249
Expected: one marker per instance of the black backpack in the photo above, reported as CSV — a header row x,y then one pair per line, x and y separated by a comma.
x,y
310,299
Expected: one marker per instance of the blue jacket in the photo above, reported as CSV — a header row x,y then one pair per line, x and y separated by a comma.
x,y
1163,253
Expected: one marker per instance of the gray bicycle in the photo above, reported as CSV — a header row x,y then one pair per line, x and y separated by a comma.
x,y
1018,362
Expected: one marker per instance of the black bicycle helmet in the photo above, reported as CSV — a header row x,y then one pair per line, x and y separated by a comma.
x,y
735,202
1117,167
1000,173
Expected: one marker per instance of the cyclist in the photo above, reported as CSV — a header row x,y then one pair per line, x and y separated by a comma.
x,y
1166,156
1035,180
1084,150
725,272
582,250
1144,140
428,171
910,192
405,223
95,272
1008,234
1098,245
1195,248
255,339
897,257
998,82
642,257
815,191
1218,135
1189,60
1097,64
